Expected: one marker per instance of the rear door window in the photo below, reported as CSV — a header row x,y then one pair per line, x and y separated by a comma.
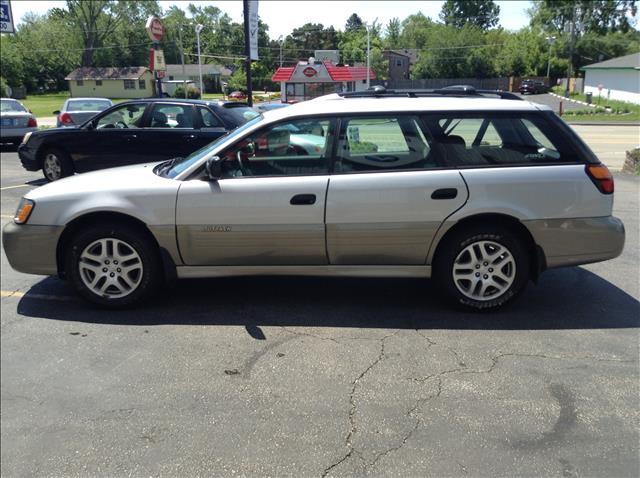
x,y
382,143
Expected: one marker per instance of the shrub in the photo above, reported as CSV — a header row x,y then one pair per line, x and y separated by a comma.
x,y
632,163
193,93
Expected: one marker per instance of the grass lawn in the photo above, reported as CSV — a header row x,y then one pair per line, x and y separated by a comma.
x,y
45,105
620,110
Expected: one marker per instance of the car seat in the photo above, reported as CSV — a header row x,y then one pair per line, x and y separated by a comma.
x,y
160,120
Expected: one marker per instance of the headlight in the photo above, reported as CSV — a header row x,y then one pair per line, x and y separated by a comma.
x,y
24,211
26,137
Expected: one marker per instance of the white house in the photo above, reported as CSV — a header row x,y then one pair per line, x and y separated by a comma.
x,y
617,79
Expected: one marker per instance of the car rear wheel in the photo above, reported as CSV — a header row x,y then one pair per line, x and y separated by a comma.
x,y
482,268
56,165
113,265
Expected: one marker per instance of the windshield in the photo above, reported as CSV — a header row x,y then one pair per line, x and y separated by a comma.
x,y
182,164
236,114
11,105
88,105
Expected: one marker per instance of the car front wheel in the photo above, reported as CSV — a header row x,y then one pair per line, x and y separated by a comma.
x,y
56,165
113,265
482,268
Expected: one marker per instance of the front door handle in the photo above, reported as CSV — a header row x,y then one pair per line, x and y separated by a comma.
x,y
447,193
303,199
131,137
189,137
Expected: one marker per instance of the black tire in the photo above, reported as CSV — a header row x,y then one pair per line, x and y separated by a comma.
x,y
503,273
113,241
56,164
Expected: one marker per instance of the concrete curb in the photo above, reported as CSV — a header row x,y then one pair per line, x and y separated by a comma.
x,y
602,123
573,101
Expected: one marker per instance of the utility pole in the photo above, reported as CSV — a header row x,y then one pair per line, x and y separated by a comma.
x,y
551,40
247,49
198,30
281,42
184,84
368,27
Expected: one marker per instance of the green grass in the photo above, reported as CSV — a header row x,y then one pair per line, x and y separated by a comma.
x,y
620,110
44,105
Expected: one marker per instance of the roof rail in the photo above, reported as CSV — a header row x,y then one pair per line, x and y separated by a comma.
x,y
379,91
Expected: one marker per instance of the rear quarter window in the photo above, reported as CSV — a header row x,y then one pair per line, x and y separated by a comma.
x,y
497,139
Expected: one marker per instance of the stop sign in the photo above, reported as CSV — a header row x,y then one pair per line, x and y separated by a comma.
x,y
154,28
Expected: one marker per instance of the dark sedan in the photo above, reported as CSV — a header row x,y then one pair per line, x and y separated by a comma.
x,y
132,132
533,87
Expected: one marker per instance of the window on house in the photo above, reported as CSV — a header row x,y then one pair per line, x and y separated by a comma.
x,y
398,62
142,85
98,82
79,82
129,84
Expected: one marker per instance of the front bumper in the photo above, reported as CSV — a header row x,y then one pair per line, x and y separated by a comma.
x,y
27,155
571,242
32,249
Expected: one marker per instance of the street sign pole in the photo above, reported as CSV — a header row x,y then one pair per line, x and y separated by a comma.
x,y
247,49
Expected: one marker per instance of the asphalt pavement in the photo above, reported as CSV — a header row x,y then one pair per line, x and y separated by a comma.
x,y
323,377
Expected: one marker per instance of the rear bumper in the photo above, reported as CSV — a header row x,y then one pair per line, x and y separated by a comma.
x,y
28,157
15,134
32,249
570,242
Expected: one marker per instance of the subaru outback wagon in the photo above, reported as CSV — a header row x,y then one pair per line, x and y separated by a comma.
x,y
480,190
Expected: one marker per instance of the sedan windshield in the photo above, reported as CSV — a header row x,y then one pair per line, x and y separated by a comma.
x,y
182,164
88,105
237,114
12,106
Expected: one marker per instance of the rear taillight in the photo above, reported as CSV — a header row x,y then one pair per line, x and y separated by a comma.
x,y
601,177
66,118
32,122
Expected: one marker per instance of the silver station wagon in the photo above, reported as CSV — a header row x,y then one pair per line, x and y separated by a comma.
x,y
480,190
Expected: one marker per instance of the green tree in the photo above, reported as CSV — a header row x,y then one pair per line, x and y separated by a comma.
x,y
354,22
484,14
304,40
394,28
416,29
599,16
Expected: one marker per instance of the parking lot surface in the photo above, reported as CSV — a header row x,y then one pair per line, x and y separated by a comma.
x,y
323,377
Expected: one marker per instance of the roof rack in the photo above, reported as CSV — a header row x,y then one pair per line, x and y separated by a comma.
x,y
379,91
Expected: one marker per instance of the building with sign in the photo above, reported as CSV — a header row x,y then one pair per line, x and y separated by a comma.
x,y
313,78
617,79
111,82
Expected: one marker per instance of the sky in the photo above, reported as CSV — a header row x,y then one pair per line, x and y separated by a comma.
x,y
283,16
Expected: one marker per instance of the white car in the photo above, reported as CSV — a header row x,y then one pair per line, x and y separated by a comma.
x,y
77,111
15,121
481,193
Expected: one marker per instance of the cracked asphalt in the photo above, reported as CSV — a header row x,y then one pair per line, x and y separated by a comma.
x,y
313,377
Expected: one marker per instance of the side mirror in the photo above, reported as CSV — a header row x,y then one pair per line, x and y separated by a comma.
x,y
56,112
214,168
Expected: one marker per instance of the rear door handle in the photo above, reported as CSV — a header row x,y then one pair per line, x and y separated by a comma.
x,y
303,199
189,137
131,136
447,193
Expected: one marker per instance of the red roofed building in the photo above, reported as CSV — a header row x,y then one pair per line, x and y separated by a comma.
x,y
315,78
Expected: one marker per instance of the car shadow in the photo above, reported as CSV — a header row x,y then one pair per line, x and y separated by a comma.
x,y
572,298
8,148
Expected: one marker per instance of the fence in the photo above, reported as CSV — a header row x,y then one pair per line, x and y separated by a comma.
x,y
430,83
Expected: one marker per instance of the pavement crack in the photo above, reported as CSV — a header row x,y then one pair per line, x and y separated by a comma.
x,y
419,403
353,408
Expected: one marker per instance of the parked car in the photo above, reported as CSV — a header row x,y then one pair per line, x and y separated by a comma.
x,y
15,121
76,111
533,87
129,133
237,95
480,193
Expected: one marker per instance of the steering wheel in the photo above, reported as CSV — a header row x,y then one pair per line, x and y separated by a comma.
x,y
243,170
121,124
